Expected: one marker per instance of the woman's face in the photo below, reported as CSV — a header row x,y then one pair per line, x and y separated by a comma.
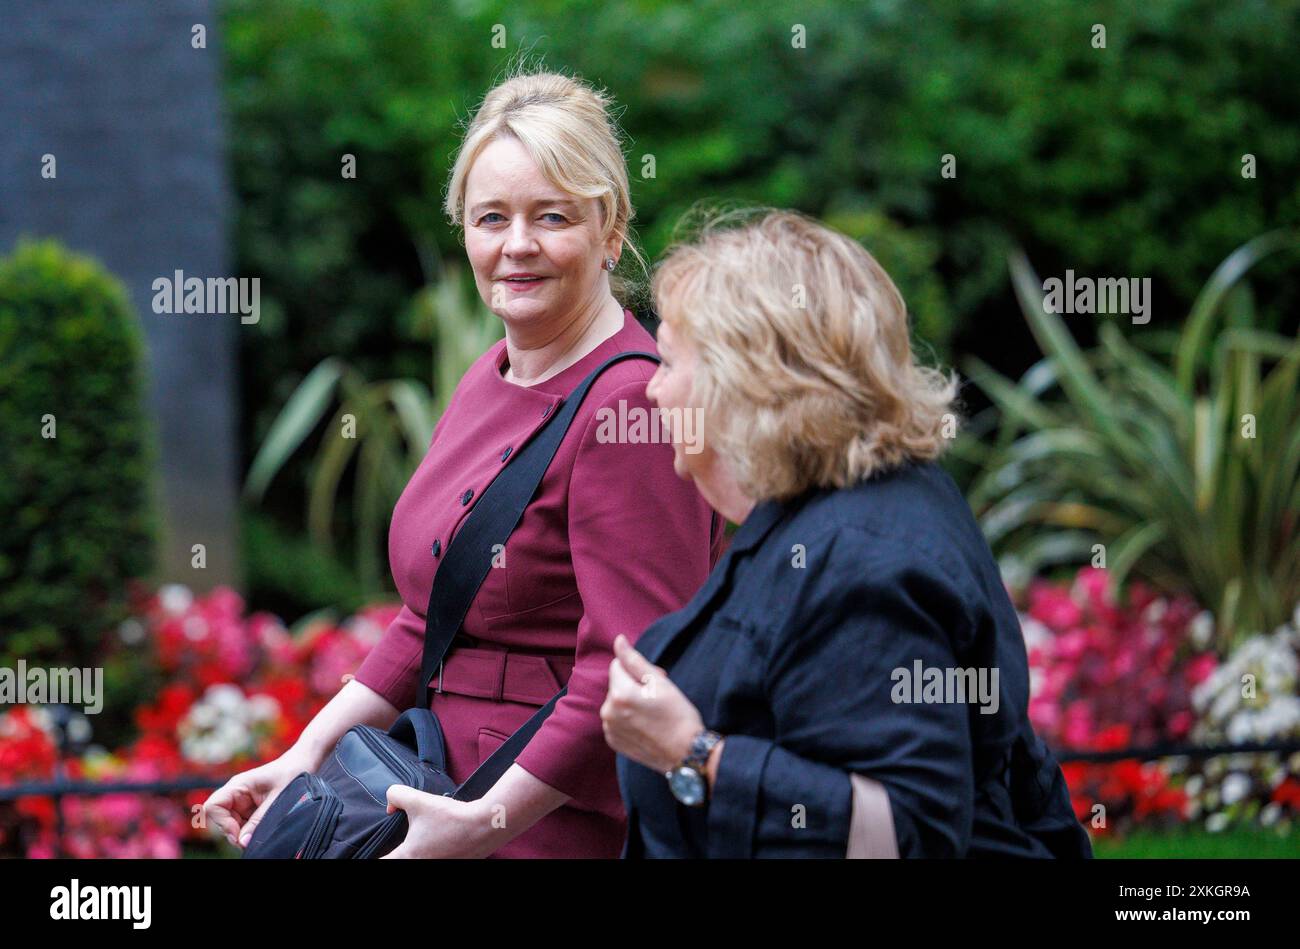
x,y
670,389
536,251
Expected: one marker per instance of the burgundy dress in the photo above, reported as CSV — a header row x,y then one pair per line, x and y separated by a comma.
x,y
612,541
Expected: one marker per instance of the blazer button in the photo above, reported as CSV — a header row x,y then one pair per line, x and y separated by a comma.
x,y
465,498
505,454
437,547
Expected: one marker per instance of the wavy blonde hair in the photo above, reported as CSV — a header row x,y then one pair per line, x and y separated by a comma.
x,y
805,370
569,129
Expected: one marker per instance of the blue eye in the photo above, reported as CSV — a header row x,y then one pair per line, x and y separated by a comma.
x,y
560,218
484,218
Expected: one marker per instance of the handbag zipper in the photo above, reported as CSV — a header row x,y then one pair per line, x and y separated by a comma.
x,y
330,807
399,766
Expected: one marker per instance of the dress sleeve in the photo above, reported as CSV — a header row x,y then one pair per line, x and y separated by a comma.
x,y
860,613
639,538
392,666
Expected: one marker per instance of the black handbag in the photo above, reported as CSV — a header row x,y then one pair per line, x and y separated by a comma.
x,y
340,811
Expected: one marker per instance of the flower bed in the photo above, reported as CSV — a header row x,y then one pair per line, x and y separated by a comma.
x,y
233,691
238,692
1106,676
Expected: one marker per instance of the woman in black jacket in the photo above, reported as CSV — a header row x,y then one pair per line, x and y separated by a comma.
x,y
851,680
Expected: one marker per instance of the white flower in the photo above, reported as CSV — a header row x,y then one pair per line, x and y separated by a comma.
x,y
79,729
1235,787
226,697
1036,634
175,598
1269,815
1216,823
263,708
203,715
42,718
131,631
1202,629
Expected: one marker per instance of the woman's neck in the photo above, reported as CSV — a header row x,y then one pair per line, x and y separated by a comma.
x,y
547,351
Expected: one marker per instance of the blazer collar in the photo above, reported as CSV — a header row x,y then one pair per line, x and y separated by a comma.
x,y
749,535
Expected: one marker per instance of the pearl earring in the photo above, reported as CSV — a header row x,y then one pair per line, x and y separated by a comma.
x,y
610,263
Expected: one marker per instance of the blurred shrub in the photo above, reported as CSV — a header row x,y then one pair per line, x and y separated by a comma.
x,y
291,576
1117,161
1184,469
387,426
76,517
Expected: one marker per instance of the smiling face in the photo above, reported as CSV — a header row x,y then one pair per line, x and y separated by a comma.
x,y
536,251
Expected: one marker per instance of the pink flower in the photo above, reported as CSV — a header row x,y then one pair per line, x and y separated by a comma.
x,y
1053,607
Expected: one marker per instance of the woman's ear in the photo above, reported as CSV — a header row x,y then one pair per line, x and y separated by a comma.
x,y
613,247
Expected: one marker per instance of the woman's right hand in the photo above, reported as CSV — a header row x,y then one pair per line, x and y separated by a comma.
x,y
236,807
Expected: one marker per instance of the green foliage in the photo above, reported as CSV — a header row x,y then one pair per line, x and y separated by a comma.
x,y
76,516
1123,160
1187,468
386,425
290,576
1118,161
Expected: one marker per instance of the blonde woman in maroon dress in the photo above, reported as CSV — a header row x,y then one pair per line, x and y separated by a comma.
x,y
612,540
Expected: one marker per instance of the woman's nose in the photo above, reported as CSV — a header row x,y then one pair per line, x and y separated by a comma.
x,y
652,388
519,241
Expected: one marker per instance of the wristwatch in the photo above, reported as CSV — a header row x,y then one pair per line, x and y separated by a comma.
x,y
687,780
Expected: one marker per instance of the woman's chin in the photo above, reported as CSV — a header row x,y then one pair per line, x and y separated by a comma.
x,y
523,312
681,467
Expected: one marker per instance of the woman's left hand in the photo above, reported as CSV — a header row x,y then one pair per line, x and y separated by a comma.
x,y
437,826
645,716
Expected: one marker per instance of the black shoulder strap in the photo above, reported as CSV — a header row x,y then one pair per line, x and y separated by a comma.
x,y
469,558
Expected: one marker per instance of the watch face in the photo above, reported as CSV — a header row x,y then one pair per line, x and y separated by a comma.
x,y
687,786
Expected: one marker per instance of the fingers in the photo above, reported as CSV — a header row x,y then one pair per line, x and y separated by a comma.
x,y
226,808
637,665
621,684
251,824
401,798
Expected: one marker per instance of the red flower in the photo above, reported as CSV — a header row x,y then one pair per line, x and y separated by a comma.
x,y
1288,793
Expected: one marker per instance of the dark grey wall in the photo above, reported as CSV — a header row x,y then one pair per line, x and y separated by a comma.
x,y
132,113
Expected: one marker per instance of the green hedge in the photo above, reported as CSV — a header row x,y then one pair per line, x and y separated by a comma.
x,y
76,516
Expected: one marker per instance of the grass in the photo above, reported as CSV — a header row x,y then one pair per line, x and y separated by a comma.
x,y
1198,842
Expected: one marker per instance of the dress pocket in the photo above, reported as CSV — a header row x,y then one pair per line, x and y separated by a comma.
x,y
489,740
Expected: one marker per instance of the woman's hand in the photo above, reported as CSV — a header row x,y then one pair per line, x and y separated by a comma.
x,y
438,826
236,808
645,716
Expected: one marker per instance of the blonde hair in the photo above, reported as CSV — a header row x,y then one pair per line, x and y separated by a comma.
x,y
569,129
805,370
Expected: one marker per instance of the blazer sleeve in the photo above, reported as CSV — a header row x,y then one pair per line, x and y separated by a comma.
x,y
861,609
639,538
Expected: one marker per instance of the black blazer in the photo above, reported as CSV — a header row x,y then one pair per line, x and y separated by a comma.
x,y
801,649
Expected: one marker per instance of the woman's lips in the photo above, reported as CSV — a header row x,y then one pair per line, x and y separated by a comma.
x,y
521,285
